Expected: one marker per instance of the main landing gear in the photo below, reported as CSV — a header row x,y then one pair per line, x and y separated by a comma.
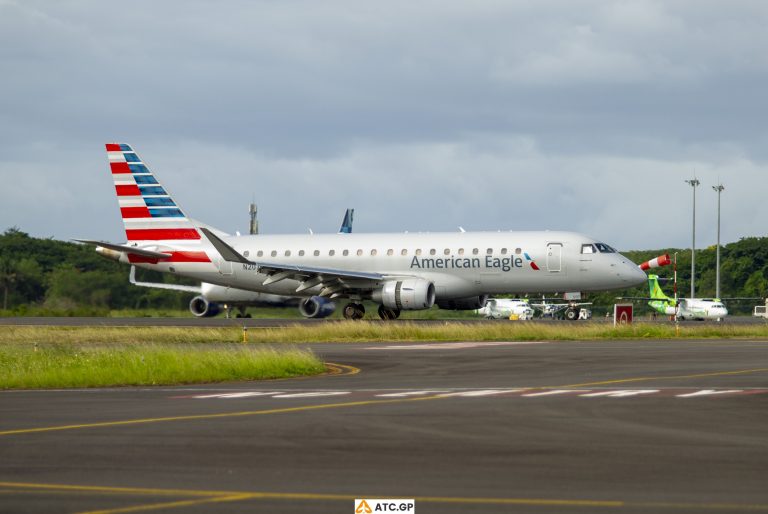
x,y
354,311
386,313
357,311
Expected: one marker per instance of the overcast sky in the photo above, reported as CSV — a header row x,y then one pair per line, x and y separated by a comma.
x,y
572,115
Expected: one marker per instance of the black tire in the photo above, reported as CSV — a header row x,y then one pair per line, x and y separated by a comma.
x,y
571,315
386,313
350,311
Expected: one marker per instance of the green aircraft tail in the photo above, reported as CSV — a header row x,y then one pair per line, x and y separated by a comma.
x,y
655,289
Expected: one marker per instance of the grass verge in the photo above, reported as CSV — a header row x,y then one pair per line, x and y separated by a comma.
x,y
61,365
363,331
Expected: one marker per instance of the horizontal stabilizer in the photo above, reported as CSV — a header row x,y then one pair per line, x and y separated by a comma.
x,y
127,249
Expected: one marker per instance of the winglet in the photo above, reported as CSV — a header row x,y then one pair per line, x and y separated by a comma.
x,y
227,252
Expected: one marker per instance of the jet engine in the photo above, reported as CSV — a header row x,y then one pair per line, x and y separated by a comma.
x,y
410,294
316,307
202,308
470,303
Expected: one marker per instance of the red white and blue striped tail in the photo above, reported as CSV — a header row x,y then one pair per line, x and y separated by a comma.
x,y
149,213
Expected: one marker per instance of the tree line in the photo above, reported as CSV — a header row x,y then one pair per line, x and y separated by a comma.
x,y
47,276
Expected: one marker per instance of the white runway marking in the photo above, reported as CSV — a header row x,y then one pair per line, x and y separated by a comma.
x,y
556,391
519,392
453,346
709,392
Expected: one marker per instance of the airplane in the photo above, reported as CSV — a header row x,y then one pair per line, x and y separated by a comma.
x,y
498,308
686,308
211,298
410,271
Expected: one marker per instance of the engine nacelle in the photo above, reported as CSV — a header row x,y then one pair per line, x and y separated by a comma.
x,y
202,308
464,304
316,307
410,294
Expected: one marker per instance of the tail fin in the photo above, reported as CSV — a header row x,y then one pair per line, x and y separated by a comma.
x,y
149,213
346,225
655,289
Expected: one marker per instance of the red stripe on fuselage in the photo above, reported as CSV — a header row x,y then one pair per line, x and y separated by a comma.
x,y
135,212
128,190
159,234
175,257
119,167
112,147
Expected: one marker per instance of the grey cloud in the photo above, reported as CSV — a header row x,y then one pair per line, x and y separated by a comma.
x,y
423,115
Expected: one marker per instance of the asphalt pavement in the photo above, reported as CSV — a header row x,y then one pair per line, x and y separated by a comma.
x,y
608,426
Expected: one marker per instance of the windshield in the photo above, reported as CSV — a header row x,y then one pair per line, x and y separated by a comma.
x,y
604,248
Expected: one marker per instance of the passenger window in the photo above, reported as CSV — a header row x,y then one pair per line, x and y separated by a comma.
x,y
359,253
287,253
518,251
403,252
503,251
260,253
390,252
587,248
331,253
345,253
461,251
432,251
447,251
418,251
316,253
475,251
274,253
489,251
301,253
373,253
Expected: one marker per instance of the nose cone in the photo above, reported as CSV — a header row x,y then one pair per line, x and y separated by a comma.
x,y
631,273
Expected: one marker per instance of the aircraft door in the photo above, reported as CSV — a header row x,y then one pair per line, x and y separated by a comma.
x,y
554,257
225,267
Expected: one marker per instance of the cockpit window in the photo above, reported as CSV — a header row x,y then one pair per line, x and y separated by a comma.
x,y
588,248
604,248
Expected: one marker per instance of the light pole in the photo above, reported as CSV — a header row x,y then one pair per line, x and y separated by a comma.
x,y
693,183
719,188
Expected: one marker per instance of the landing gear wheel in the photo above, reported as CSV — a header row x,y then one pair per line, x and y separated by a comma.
x,y
386,313
571,314
354,311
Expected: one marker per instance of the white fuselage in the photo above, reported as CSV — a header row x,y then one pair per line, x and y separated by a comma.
x,y
460,265
702,309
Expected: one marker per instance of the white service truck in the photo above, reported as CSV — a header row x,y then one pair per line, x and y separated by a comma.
x,y
761,311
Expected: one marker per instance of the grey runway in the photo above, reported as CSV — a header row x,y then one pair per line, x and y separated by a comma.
x,y
630,426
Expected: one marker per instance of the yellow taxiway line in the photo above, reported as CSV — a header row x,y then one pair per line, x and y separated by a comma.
x,y
199,497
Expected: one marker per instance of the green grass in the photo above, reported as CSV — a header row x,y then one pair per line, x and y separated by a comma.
x,y
65,365
365,331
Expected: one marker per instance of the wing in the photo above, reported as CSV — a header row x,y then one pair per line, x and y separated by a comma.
x,y
332,282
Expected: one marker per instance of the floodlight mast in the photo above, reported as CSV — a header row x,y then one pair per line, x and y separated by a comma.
x,y
694,182
719,188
